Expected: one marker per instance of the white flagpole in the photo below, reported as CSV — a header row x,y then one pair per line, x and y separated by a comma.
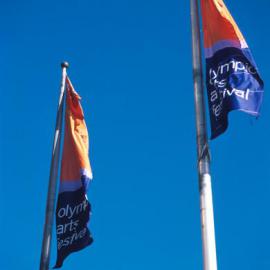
x,y
206,203
47,234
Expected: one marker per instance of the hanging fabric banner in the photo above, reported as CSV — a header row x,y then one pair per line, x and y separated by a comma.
x,y
232,78
73,208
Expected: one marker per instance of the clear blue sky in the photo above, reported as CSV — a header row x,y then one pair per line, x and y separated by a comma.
x,y
131,63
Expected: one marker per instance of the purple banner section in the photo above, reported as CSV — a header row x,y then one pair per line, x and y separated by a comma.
x,y
233,83
209,52
72,217
69,186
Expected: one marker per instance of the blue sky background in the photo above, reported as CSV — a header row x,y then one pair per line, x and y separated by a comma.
x,y
131,63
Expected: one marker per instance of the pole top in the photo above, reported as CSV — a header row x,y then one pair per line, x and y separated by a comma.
x,y
64,64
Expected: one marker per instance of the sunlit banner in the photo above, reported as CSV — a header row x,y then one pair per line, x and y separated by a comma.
x,y
73,208
232,78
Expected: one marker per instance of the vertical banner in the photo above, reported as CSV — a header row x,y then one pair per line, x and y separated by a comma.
x,y
73,208
232,78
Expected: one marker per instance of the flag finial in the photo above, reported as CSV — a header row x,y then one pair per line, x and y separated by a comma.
x,y
65,64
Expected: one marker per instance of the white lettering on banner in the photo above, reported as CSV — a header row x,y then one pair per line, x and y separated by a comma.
x,y
70,211
236,66
217,109
213,96
244,94
218,80
69,240
216,106
67,227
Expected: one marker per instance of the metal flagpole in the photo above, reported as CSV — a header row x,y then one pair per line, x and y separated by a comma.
x,y
206,204
46,244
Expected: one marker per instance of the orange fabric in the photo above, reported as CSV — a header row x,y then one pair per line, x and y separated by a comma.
x,y
218,24
75,149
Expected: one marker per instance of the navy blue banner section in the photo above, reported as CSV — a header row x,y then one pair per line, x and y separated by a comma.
x,y
72,216
233,83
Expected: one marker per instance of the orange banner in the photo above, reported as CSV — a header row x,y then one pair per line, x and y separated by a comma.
x,y
75,161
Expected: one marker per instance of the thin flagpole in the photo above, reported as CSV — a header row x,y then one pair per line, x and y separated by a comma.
x,y
206,203
49,217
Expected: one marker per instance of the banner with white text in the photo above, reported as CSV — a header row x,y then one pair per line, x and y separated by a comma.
x,y
73,208
232,78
